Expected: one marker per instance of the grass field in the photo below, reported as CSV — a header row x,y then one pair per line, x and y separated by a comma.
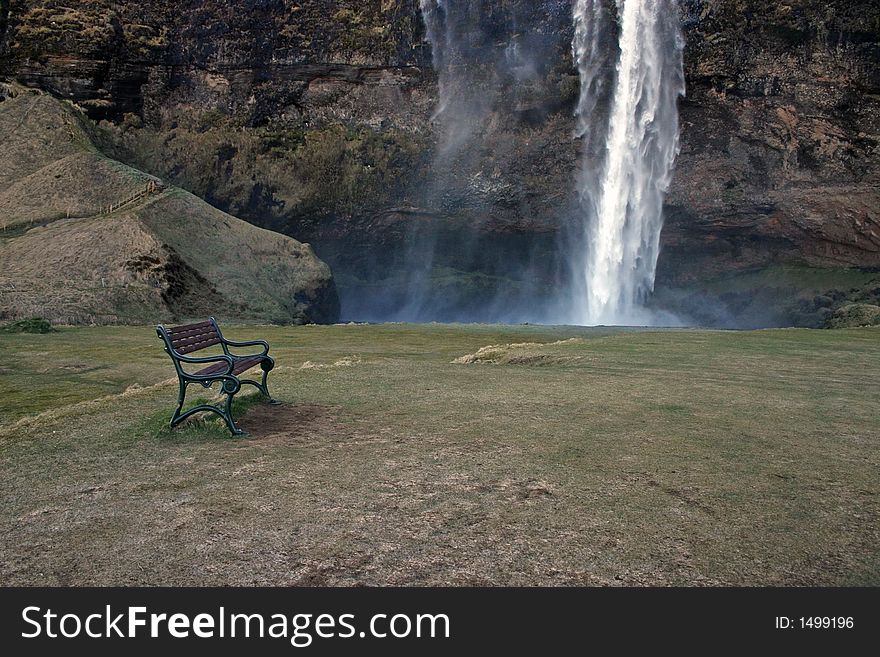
x,y
561,457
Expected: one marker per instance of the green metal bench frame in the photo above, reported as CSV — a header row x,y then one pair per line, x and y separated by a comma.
x,y
183,340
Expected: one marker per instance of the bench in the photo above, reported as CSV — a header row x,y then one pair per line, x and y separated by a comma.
x,y
225,368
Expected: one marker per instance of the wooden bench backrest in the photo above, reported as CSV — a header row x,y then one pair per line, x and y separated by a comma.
x,y
192,337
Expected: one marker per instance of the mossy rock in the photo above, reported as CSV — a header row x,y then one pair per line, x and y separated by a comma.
x,y
855,314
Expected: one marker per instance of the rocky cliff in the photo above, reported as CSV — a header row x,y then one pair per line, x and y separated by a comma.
x,y
780,134
315,118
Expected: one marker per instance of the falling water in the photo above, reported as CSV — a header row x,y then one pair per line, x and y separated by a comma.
x,y
441,40
628,118
458,48
464,59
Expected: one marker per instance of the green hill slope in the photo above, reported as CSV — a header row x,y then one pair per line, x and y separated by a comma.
x,y
87,239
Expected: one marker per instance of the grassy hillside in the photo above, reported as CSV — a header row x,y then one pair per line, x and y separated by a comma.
x,y
555,456
49,168
87,239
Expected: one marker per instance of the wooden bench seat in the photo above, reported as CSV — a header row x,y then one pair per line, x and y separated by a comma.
x,y
240,365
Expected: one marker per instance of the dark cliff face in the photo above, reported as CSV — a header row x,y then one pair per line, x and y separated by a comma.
x,y
117,57
315,118
4,20
780,136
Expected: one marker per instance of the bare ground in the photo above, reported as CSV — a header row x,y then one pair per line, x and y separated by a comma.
x,y
653,459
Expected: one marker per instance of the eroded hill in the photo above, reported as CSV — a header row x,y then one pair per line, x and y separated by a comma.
x,y
87,239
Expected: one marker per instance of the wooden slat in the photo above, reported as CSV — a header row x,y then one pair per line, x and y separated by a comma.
x,y
188,338
191,334
190,327
193,339
205,341
246,364
241,365
198,345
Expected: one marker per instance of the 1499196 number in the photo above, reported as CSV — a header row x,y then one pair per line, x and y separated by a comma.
x,y
826,622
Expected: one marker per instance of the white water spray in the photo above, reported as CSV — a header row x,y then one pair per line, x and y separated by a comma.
x,y
441,40
629,124
458,46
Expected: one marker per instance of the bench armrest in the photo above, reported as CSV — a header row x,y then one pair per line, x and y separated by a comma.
x,y
250,343
207,359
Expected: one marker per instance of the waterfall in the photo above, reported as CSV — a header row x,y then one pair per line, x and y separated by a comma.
x,y
458,45
464,59
434,16
627,117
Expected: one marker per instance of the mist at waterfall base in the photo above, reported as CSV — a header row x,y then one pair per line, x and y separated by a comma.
x,y
456,259
596,264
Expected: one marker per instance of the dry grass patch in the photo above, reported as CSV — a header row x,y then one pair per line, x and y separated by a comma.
x,y
523,353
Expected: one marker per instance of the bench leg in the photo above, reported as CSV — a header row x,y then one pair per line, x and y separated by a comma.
x,y
227,415
177,418
225,412
272,400
262,387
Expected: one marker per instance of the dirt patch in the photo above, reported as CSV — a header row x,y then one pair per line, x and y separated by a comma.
x,y
289,424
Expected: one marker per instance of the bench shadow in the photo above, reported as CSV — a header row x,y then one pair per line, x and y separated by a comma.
x,y
265,424
287,424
